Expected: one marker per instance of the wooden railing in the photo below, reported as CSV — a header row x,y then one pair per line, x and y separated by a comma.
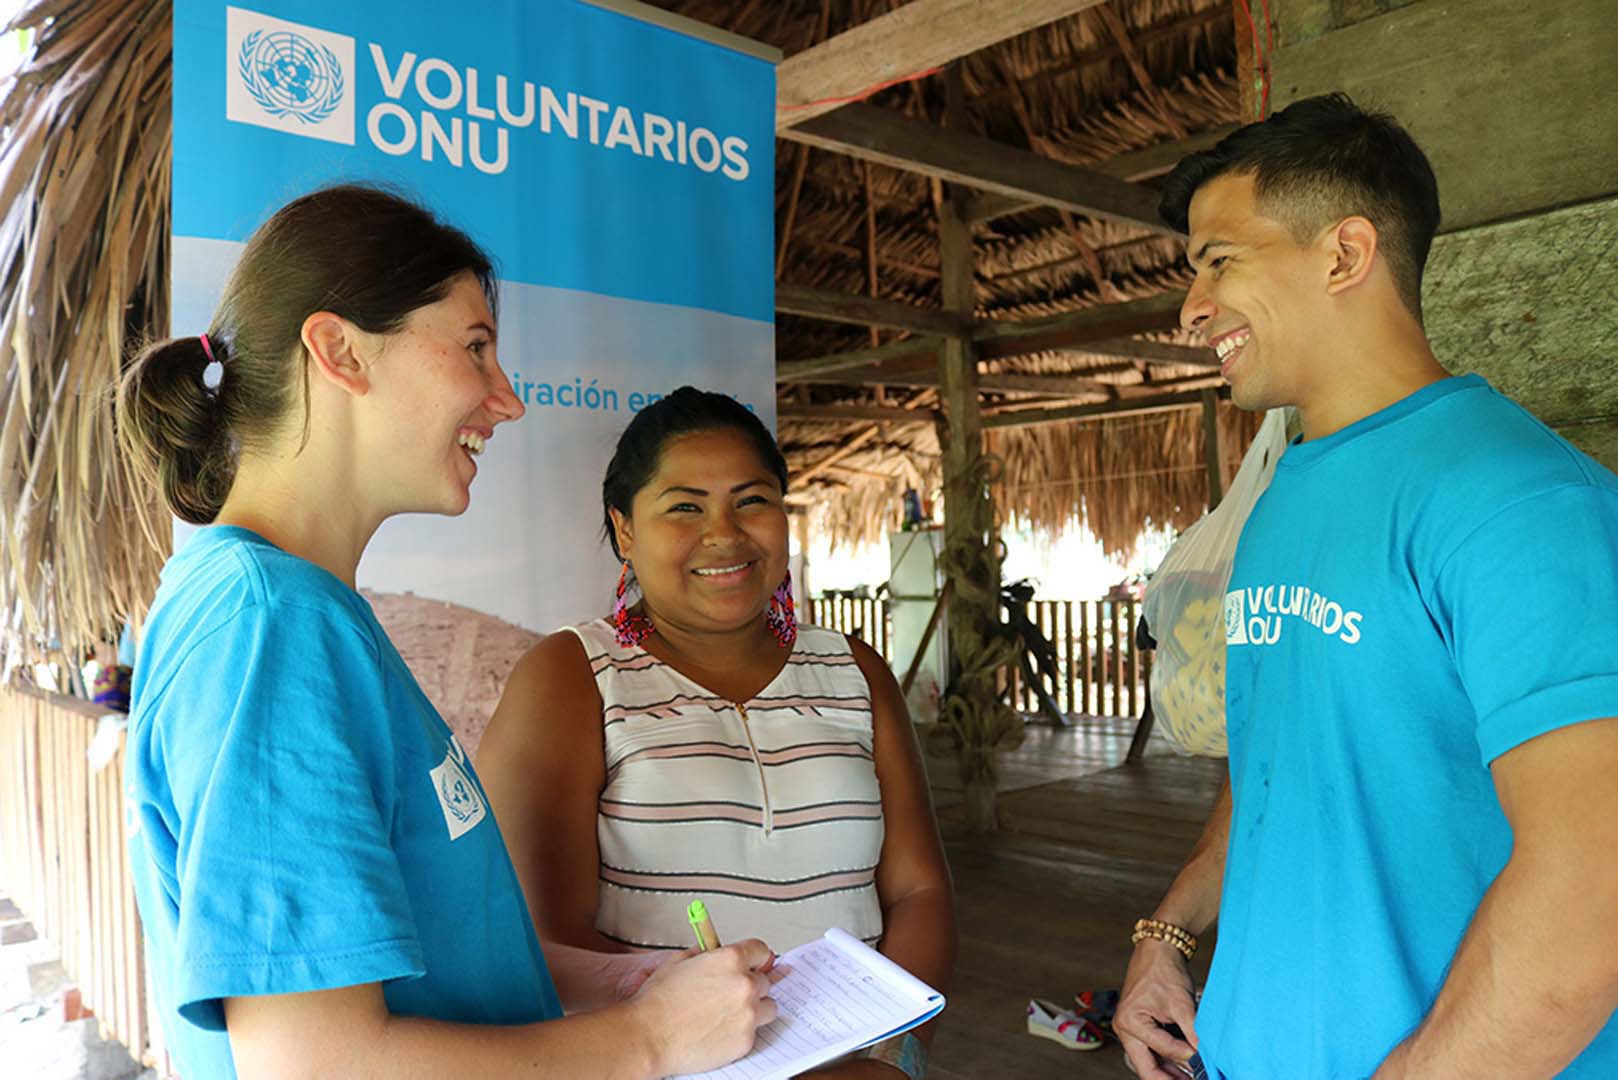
x,y
1101,672
64,858
867,619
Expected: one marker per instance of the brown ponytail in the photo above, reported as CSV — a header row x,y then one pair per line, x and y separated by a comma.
x,y
174,428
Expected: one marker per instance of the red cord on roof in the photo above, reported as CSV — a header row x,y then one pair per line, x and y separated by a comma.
x,y
1261,54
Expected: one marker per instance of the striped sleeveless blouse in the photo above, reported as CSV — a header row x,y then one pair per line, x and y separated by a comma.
x,y
768,811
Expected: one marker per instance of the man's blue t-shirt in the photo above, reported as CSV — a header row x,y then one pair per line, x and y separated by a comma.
x,y
1412,597
302,818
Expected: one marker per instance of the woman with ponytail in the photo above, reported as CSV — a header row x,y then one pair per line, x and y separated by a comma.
x,y
323,887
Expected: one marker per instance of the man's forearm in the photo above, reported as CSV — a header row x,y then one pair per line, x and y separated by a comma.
x,y
1192,901
1541,959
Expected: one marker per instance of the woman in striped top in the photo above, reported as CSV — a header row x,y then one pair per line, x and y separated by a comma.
x,y
700,744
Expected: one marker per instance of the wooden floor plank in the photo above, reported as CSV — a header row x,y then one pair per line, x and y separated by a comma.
x,y
1087,845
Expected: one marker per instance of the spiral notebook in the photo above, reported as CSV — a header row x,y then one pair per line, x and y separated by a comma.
x,y
836,994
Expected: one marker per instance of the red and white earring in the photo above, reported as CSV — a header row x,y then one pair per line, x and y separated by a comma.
x,y
781,616
629,627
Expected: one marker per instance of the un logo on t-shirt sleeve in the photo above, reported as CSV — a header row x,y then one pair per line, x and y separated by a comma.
x,y
458,796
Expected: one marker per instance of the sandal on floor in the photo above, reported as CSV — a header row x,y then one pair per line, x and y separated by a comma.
x,y
1061,1026
1096,1005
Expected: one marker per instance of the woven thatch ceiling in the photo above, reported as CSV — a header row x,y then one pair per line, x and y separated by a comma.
x,y
1120,88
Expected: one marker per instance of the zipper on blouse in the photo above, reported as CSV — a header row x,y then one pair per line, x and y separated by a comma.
x,y
758,762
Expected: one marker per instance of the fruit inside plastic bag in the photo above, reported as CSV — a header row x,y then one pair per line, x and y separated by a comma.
x,y
1185,600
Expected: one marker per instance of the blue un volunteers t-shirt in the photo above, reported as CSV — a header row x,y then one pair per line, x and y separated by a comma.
x,y
1412,597
302,818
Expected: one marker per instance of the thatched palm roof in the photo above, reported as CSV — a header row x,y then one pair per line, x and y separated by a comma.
x,y
1085,90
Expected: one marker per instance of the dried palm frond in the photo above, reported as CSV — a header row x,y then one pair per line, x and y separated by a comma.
x,y
1117,476
84,192
1114,477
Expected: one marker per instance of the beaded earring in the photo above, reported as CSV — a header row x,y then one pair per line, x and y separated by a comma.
x,y
781,616
629,627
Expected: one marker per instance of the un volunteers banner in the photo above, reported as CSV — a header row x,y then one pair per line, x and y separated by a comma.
x,y
620,172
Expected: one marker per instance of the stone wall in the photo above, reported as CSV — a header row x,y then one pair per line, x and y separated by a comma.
x,y
1529,305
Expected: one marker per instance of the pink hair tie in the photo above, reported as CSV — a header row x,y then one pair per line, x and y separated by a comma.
x,y
207,348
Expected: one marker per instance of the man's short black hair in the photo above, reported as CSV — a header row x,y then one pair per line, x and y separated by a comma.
x,y
1318,161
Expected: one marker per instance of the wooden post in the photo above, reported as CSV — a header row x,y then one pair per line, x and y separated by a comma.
x,y
974,607
1210,446
1117,672
1069,703
957,365
1085,695
1132,667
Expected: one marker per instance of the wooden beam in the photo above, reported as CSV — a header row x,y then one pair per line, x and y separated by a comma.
x,y
810,370
862,474
1079,328
1055,385
885,414
1133,406
870,244
1135,166
1099,393
890,138
1156,353
792,211
1102,330
915,355
864,310
1207,380
999,382
886,257
920,35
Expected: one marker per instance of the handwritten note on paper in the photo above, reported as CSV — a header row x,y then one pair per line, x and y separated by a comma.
x,y
835,995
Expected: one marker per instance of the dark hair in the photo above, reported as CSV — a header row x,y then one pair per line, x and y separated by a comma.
x,y
1320,160
684,412
360,252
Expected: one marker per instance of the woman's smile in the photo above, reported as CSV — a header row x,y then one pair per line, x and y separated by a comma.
x,y
730,574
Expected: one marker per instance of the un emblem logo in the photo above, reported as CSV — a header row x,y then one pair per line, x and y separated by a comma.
x,y
289,75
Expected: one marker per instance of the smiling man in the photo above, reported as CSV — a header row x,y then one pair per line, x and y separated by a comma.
x,y
1412,866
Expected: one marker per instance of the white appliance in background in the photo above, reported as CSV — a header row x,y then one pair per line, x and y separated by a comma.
x,y
914,580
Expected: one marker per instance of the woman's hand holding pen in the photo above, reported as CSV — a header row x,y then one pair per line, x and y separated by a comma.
x,y
702,1011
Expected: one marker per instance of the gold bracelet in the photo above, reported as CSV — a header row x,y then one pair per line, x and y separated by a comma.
x,y
1157,930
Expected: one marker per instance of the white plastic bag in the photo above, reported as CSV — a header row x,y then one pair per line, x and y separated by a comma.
x,y
1184,604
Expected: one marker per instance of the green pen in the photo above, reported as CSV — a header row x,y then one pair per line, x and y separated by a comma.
x,y
702,926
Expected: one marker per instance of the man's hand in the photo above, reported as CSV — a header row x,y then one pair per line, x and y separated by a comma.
x,y
702,1012
1157,992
